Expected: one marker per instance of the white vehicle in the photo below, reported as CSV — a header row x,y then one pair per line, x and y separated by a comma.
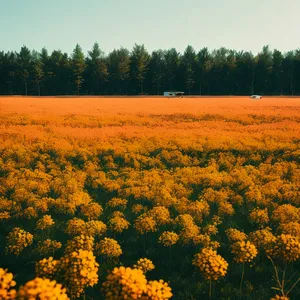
x,y
173,94
256,97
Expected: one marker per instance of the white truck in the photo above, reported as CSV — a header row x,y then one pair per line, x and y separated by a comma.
x,y
255,96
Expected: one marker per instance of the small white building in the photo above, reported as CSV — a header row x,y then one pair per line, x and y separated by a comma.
x,y
173,94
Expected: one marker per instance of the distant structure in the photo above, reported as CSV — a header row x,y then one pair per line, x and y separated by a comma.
x,y
173,94
256,97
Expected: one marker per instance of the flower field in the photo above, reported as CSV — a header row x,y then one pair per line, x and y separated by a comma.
x,y
149,198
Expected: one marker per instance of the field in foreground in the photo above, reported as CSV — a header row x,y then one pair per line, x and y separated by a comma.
x,y
109,181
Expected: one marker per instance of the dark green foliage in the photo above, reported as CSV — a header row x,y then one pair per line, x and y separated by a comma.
x,y
123,72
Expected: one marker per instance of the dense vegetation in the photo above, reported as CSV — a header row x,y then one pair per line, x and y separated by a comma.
x,y
210,204
220,72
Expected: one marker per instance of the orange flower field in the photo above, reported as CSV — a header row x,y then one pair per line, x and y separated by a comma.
x,y
149,198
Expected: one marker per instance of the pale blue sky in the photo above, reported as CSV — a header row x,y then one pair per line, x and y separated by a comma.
x,y
159,24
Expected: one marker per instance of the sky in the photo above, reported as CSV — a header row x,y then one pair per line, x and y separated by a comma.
x,y
158,24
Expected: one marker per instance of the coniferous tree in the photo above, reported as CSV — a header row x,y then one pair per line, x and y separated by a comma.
x,y
78,66
188,68
37,71
157,69
139,62
96,70
24,61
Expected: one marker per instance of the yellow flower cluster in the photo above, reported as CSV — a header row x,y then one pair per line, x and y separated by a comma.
x,y
95,228
188,234
286,247
47,268
117,203
42,289
75,226
29,213
259,217
277,297
4,215
198,210
292,228
189,230
6,284
91,211
216,220
83,242
210,229
262,238
286,213
157,290
211,265
234,235
168,238
109,247
225,209
124,283
205,241
184,220
118,223
144,224
117,213
45,222
138,208
17,240
47,247
81,271
243,251
160,214
144,264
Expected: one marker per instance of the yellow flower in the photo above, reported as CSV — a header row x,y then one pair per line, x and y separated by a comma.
x,y
109,247
144,264
42,289
45,222
160,214
118,223
47,268
47,247
168,238
83,242
117,203
91,211
75,226
211,265
262,238
225,209
80,271
235,235
243,251
285,247
144,224
259,217
124,283
6,284
95,228
205,241
157,290
17,240
138,208
277,297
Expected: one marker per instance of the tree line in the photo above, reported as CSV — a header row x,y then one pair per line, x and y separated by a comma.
x,y
219,72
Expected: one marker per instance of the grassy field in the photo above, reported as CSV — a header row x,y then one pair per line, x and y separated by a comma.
x,y
207,188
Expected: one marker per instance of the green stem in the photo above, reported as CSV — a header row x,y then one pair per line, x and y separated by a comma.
x,y
242,278
210,289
